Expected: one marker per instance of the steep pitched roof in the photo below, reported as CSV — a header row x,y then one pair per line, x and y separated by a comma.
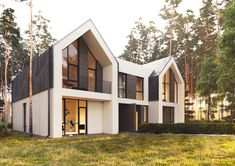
x,y
158,65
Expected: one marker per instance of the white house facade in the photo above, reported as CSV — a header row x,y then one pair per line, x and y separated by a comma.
x,y
79,87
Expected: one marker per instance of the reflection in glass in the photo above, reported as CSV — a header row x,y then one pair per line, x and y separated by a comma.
x,y
73,53
91,61
139,88
82,121
91,80
122,85
73,75
70,114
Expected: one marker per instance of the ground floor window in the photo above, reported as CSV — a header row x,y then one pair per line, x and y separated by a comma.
x,y
168,114
141,115
74,117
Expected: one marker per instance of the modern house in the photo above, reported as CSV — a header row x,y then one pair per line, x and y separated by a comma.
x,y
79,87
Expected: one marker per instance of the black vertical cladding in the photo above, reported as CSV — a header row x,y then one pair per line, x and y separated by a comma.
x,y
42,77
127,117
172,87
154,88
131,86
99,77
83,64
168,114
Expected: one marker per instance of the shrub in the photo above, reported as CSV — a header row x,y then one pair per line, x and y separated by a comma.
x,y
188,128
3,129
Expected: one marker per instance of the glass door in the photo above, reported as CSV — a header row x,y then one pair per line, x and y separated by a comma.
x,y
70,117
82,123
74,117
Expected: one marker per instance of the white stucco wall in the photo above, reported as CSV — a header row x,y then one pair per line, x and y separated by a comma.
x,y
40,114
110,109
94,117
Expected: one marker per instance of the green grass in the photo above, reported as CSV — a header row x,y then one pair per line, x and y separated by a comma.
x,y
123,149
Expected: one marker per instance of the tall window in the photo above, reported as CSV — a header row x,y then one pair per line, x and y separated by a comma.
x,y
139,88
169,84
91,72
122,85
70,66
166,86
176,91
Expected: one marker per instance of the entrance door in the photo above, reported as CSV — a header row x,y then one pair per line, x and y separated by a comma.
x,y
74,117
24,116
168,114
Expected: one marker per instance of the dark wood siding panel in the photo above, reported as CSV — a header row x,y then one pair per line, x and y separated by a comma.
x,y
168,114
172,87
83,64
42,74
154,88
131,86
99,77
127,117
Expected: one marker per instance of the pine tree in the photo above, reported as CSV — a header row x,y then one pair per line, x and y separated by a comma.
x,y
226,56
206,84
10,37
141,43
42,38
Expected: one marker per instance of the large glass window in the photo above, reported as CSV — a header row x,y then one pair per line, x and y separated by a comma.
x,y
91,72
122,85
70,66
166,86
176,91
166,90
139,88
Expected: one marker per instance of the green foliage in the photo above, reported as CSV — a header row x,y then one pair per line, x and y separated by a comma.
x,y
188,128
10,39
3,129
226,57
42,38
142,42
206,84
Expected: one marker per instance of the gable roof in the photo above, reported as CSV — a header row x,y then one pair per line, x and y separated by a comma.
x,y
93,38
158,65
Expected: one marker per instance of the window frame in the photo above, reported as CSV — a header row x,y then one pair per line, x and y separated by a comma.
x,y
122,89
71,64
142,87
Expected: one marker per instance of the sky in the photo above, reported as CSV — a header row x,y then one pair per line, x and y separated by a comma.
x,y
114,19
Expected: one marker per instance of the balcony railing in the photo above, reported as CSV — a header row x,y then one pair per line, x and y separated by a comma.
x,y
89,84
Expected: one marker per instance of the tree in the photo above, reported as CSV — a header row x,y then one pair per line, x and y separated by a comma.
x,y
170,14
206,84
10,35
41,36
226,56
141,43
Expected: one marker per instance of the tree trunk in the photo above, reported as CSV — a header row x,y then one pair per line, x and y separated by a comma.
x,y
30,74
209,107
170,45
5,96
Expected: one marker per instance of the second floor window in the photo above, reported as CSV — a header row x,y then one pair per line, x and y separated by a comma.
x,y
91,72
139,88
122,85
70,66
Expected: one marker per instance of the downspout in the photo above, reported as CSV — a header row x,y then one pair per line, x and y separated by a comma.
x,y
49,94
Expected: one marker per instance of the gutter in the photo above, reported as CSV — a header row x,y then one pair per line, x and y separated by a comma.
x,y
49,94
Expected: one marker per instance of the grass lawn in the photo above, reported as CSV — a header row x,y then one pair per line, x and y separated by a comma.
x,y
123,149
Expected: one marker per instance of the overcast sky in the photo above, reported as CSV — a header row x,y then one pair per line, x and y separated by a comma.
x,y
113,18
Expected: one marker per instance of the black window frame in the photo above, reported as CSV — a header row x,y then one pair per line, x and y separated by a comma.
x,y
136,91
88,68
70,64
164,82
122,89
